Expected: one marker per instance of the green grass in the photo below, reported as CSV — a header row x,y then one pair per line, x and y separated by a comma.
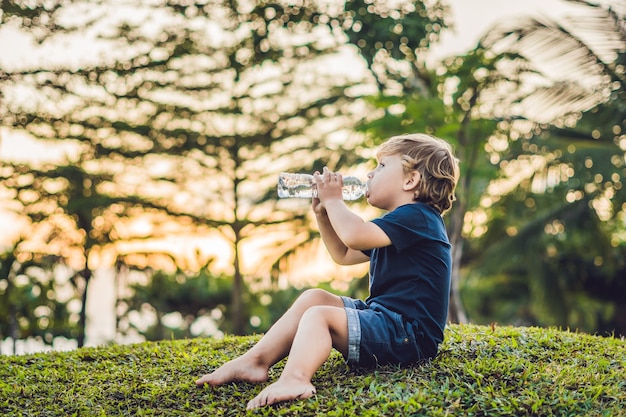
x,y
481,371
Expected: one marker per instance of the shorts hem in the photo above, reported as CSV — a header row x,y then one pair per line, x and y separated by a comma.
x,y
354,331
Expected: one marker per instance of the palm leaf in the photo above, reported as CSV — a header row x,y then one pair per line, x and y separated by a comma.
x,y
577,57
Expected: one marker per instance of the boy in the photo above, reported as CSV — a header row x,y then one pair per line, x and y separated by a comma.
x,y
403,319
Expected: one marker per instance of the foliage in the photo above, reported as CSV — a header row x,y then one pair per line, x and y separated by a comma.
x,y
392,38
580,60
70,217
193,111
450,108
31,303
37,15
190,295
504,371
555,229
576,277
204,295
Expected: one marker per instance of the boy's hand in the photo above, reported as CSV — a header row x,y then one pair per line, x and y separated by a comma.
x,y
329,185
317,206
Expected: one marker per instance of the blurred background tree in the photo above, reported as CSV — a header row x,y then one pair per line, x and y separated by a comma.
x,y
183,295
450,108
33,303
192,112
552,251
189,111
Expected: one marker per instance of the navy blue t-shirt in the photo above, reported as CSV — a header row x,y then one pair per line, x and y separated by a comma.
x,y
412,275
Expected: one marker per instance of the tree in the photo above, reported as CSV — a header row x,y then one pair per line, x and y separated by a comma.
x,y
32,306
451,103
75,220
192,295
196,113
572,149
199,103
567,216
576,63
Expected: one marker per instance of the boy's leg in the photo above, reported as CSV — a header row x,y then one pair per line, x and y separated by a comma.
x,y
321,328
253,366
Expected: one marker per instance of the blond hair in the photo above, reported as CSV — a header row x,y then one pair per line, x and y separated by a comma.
x,y
434,159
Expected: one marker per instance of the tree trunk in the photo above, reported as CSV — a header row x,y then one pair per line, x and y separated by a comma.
x,y
237,296
456,311
82,321
14,330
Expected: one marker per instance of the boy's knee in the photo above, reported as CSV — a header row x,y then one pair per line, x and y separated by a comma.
x,y
333,318
314,296
314,314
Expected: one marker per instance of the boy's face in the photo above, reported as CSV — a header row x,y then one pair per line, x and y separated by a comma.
x,y
386,185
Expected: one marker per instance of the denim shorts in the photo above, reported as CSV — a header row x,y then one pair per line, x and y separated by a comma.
x,y
379,336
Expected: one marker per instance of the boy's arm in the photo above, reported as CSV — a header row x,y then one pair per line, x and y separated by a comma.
x,y
345,229
340,253
351,230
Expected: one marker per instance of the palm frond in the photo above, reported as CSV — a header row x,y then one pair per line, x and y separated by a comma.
x,y
579,57
581,45
548,103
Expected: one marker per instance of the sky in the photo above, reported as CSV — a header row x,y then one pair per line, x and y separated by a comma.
x,y
472,19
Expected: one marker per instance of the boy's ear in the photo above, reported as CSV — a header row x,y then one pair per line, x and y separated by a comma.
x,y
411,180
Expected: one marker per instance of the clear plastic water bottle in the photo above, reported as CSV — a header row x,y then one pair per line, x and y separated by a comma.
x,y
301,186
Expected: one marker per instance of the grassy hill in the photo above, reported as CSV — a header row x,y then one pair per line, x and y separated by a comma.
x,y
481,371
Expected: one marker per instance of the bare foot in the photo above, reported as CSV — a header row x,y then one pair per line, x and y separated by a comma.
x,y
282,391
239,369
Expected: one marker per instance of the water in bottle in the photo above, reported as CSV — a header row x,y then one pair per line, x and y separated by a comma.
x,y
295,185
301,186
353,188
